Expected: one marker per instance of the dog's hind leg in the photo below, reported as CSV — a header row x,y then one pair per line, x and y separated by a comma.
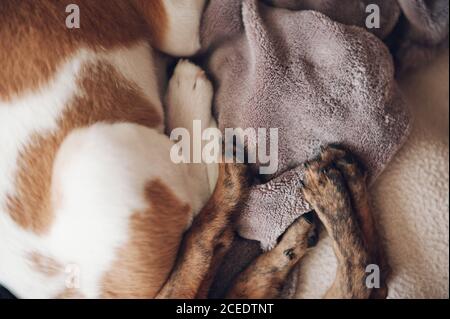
x,y
357,184
335,187
188,103
221,250
266,276
195,261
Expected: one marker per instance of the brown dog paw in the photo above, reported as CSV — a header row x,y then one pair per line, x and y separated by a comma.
x,y
325,189
331,154
300,236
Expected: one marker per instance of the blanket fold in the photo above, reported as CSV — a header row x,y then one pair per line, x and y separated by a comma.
x,y
315,80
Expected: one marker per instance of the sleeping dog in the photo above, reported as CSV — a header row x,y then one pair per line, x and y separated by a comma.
x,y
91,206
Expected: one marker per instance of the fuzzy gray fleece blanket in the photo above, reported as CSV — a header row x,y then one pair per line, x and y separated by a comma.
x,y
309,69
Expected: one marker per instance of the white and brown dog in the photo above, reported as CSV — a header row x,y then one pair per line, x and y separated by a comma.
x,y
85,173
87,186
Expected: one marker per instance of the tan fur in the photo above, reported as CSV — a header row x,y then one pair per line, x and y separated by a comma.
x,y
69,293
156,17
144,263
45,265
28,61
106,92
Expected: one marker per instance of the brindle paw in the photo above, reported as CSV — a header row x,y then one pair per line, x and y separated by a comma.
x,y
233,171
351,168
332,153
236,176
339,166
344,160
300,236
325,189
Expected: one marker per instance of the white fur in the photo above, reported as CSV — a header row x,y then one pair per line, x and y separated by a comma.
x,y
98,177
182,114
101,173
182,37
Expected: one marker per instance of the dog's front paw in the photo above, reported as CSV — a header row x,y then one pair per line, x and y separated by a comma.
x,y
325,189
189,97
300,236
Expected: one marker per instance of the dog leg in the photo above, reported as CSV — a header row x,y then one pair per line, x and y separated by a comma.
x,y
266,276
207,234
328,192
174,24
219,254
357,183
189,98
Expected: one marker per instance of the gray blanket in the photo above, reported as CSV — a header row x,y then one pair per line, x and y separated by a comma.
x,y
320,78
413,29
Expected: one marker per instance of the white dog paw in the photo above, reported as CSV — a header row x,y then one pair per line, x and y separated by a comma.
x,y
191,82
190,94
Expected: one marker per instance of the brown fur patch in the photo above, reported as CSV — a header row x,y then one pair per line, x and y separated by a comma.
x,y
45,265
155,15
35,39
108,98
144,263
